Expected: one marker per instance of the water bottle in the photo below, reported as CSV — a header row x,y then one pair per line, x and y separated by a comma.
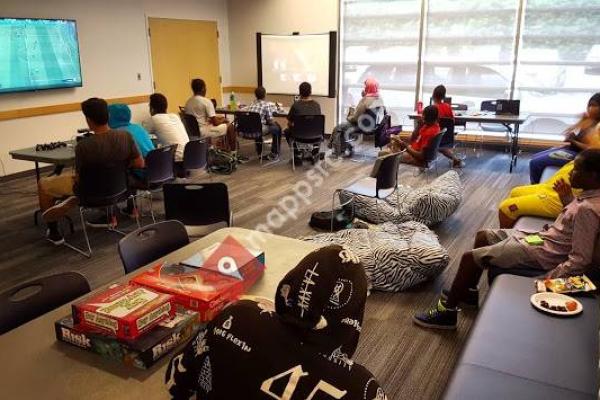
x,y
232,102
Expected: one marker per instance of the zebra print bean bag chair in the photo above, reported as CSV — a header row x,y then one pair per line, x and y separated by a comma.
x,y
430,204
395,256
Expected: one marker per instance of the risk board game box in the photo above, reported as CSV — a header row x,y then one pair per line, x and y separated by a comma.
x,y
142,352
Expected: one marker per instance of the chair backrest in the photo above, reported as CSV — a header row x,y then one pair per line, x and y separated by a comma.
x,y
195,154
387,175
150,243
309,127
248,124
430,152
102,185
197,204
191,125
28,301
159,165
488,105
448,124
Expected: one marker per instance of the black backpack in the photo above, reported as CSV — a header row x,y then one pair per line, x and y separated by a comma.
x,y
221,162
321,220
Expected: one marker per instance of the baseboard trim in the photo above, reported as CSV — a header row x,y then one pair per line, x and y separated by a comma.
x,y
25,174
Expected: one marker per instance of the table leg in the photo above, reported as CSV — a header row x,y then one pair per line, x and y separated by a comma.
x,y
514,148
37,171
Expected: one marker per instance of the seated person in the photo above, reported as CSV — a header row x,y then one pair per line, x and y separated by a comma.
x,y
301,346
119,117
269,126
209,123
167,127
105,146
581,136
414,153
567,248
445,111
305,105
342,132
540,200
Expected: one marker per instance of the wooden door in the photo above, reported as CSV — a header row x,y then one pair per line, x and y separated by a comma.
x,y
181,51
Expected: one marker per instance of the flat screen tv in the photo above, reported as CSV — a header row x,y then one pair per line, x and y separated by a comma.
x,y
38,54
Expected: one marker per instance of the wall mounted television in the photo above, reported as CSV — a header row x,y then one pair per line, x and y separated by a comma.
x,y
38,54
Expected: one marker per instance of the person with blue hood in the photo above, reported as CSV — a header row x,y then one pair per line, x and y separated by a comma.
x,y
299,348
119,117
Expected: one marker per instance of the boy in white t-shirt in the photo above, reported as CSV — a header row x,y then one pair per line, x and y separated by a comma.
x,y
209,123
167,127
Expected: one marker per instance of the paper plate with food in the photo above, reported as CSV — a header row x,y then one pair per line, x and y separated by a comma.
x,y
572,284
556,304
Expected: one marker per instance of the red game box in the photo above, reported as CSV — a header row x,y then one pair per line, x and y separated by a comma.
x,y
125,311
210,279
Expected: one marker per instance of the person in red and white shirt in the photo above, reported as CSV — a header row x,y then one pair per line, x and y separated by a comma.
x,y
414,153
445,111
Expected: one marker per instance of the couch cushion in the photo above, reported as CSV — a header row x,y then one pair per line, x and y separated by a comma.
x,y
532,224
549,173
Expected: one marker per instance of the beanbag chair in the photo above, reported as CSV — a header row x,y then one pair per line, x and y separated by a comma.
x,y
430,204
395,256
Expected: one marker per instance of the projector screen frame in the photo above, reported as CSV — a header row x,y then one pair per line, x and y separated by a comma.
x,y
332,61
30,90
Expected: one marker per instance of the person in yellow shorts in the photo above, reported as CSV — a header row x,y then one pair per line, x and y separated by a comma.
x,y
539,200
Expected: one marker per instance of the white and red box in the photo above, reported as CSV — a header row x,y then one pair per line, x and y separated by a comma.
x,y
125,311
209,280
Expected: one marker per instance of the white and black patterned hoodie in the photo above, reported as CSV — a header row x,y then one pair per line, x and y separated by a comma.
x,y
300,350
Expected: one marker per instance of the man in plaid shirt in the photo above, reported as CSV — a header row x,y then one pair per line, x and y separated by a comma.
x,y
266,111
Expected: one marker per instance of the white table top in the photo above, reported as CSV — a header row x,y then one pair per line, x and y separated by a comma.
x,y
36,366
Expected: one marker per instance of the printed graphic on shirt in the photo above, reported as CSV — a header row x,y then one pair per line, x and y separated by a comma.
x,y
285,293
342,293
305,294
205,377
294,375
340,358
373,391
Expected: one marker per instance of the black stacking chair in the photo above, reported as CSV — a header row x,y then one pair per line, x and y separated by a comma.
x,y
195,156
374,122
447,141
150,243
101,187
307,135
249,126
28,301
191,125
379,187
201,207
159,170
430,153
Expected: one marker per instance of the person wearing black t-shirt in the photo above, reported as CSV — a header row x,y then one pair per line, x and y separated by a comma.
x,y
303,106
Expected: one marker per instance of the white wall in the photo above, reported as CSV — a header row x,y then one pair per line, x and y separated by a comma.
x,y
246,17
114,49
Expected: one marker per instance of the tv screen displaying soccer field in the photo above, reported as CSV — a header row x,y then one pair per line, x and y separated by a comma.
x,y
38,54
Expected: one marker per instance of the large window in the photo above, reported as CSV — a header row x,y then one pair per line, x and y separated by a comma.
x,y
544,52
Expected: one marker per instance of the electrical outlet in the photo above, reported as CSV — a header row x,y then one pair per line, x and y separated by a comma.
x,y
139,76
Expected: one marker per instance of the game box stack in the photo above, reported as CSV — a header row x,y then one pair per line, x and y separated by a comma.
x,y
209,280
142,352
133,324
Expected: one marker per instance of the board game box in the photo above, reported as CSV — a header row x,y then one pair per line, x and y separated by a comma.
x,y
125,311
142,352
209,280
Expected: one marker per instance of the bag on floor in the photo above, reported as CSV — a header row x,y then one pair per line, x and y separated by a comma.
x,y
322,220
221,162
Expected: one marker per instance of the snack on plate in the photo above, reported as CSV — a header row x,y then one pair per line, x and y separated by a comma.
x,y
125,311
572,284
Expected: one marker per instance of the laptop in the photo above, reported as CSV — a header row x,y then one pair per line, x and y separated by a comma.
x,y
507,107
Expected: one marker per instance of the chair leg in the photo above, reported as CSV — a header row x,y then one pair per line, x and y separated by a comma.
x,y
294,162
333,207
150,203
85,234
